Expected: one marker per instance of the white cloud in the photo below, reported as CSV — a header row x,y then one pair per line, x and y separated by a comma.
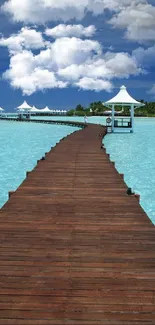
x,y
37,72
26,38
136,17
152,90
66,51
108,66
63,30
138,20
65,62
94,84
145,57
98,6
26,75
41,11
122,64
91,68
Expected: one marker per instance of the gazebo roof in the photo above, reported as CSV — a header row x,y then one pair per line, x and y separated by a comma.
x,y
123,98
24,106
46,109
34,109
1,109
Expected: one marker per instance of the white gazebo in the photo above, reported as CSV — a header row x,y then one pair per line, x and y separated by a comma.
x,y
122,99
45,110
34,110
25,108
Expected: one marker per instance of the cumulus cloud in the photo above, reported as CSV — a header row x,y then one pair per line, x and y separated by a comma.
x,y
63,30
67,61
26,75
26,38
90,68
41,11
94,84
138,20
122,64
152,90
136,17
66,51
145,57
109,66
31,72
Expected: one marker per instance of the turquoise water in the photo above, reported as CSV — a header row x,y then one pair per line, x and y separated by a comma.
x,y
22,144
93,119
134,155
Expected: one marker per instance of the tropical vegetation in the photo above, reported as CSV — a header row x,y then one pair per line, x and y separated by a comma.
x,y
97,108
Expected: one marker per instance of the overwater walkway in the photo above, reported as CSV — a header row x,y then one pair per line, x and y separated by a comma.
x,y
45,121
75,249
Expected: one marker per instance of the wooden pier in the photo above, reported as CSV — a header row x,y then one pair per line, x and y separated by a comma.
x,y
75,249
44,121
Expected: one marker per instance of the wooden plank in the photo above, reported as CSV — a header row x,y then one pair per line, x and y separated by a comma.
x,y
74,247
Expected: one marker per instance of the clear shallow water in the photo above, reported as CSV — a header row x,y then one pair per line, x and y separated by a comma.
x,y
91,119
134,155
21,145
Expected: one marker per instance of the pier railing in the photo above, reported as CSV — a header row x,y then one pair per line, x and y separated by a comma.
x,y
122,122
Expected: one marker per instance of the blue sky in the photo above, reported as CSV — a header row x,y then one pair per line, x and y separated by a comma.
x,y
61,53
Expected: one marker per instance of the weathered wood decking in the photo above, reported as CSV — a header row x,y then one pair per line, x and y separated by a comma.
x,y
75,249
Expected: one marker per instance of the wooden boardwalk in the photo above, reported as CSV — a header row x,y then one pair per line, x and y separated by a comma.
x,y
45,121
75,249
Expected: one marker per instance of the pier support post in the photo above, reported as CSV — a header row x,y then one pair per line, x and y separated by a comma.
x,y
113,117
137,196
11,193
132,118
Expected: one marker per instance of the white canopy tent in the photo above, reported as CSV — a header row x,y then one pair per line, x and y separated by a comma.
x,y
45,110
57,112
35,110
24,106
123,99
61,111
